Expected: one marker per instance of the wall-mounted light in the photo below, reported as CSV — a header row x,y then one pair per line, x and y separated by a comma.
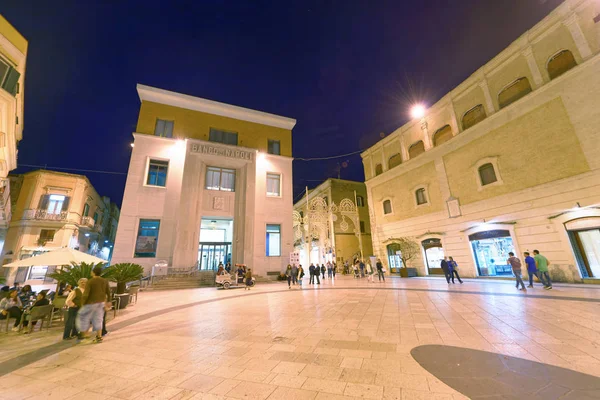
x,y
132,144
418,111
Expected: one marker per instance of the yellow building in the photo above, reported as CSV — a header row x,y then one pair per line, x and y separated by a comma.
x,y
54,210
13,55
208,183
507,161
332,224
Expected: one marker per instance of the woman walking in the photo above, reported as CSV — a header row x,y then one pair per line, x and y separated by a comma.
x,y
300,275
369,270
74,303
288,274
452,269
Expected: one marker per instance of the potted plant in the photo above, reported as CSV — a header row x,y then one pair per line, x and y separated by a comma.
x,y
72,274
409,249
122,274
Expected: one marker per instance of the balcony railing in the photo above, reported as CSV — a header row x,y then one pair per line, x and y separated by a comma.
x,y
44,215
87,222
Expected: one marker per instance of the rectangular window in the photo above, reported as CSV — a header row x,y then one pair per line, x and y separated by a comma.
x,y
274,147
360,201
219,136
164,128
86,209
157,173
362,226
273,240
147,238
96,216
55,204
220,179
46,235
273,185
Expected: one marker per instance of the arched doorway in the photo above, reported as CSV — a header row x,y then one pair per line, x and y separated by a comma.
x,y
434,254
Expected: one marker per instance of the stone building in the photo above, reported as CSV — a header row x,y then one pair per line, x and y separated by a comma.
x,y
507,161
339,230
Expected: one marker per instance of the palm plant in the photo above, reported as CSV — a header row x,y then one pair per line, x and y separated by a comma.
x,y
74,273
123,273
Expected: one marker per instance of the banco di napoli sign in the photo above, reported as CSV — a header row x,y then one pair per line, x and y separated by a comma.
x,y
219,151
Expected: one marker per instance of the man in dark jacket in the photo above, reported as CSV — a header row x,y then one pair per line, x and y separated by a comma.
x,y
311,270
446,269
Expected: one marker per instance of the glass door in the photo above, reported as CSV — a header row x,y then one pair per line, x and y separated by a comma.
x,y
210,255
589,247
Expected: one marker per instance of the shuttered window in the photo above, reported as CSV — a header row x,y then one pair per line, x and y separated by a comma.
x,y
9,77
560,63
378,169
514,92
487,174
442,135
416,149
394,161
387,207
474,116
421,196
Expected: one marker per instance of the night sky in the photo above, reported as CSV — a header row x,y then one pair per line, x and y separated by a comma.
x,y
346,70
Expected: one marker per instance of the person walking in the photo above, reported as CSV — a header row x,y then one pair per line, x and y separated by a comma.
x,y
542,263
300,275
453,269
370,272
248,278
329,273
515,263
311,270
323,269
288,275
445,269
74,303
379,267
333,268
361,265
531,268
95,298
294,274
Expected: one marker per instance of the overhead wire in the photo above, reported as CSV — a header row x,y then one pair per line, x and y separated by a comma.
x,y
72,169
327,158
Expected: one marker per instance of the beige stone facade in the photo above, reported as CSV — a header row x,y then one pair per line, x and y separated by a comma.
x,y
53,210
334,233
510,162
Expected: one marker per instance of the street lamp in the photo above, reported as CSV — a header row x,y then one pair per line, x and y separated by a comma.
x,y
417,111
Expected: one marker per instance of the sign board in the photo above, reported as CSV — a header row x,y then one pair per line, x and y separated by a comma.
x,y
294,258
219,151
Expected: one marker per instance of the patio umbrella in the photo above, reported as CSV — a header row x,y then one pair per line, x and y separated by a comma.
x,y
64,256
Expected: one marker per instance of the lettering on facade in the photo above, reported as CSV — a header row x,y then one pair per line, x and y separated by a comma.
x,y
218,151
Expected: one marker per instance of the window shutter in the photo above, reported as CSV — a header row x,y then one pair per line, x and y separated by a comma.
x,y
44,202
10,83
65,204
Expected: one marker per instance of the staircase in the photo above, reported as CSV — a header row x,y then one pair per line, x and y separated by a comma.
x,y
174,282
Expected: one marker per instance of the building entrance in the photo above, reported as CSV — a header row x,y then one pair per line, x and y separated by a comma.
x,y
216,236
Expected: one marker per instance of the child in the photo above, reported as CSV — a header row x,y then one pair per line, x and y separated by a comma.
x,y
248,277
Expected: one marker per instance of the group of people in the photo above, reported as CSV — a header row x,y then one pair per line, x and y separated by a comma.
x,y
362,269
19,303
536,266
450,269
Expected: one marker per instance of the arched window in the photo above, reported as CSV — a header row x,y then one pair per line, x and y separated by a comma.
x,y
514,92
378,169
421,196
394,161
442,135
560,63
415,149
387,207
474,116
487,174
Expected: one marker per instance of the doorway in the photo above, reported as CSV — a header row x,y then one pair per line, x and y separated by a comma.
x,y
434,254
587,243
491,249
214,248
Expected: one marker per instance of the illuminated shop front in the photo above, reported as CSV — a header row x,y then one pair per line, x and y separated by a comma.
x,y
490,249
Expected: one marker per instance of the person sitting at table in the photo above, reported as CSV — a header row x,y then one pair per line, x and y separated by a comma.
x,y
40,301
25,294
10,307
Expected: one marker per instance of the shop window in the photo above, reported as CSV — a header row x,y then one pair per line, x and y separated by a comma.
x,y
394,257
360,201
487,174
157,173
273,185
378,169
394,161
220,179
474,116
274,147
560,63
490,249
273,240
421,196
514,92
442,135
219,136
163,128
387,207
416,149
147,238
434,254
46,235
362,227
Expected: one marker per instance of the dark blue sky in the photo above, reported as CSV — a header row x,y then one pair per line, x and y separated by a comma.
x,y
347,70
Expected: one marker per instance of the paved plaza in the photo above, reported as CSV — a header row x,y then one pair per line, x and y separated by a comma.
x,y
405,339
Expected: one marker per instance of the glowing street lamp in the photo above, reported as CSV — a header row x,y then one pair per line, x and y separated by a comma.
x,y
417,111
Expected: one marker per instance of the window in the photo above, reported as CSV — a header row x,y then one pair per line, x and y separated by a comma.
x,y
220,179
273,240
442,135
387,207
274,147
55,204
9,77
147,238
86,209
378,169
560,63
157,173
514,92
360,201
96,216
394,161
474,116
416,149
163,128
273,185
362,227
216,135
421,196
46,235
487,174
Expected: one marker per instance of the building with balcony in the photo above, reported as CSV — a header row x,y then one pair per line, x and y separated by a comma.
x,y
54,210
207,183
507,161
332,223
13,56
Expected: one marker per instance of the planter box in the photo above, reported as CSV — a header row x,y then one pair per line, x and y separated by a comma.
x,y
408,272
124,300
